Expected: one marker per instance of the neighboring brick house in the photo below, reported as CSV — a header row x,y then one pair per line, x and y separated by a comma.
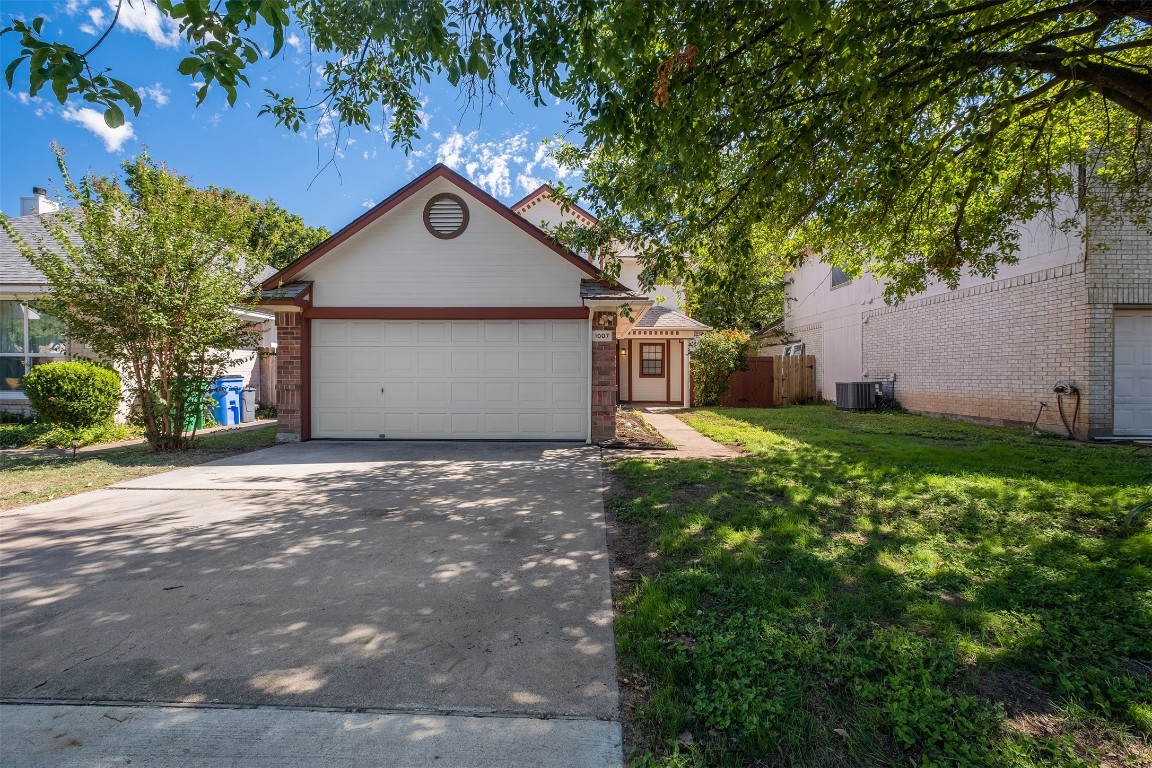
x,y
992,350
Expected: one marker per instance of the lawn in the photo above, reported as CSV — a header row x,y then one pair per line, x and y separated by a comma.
x,y
33,478
884,589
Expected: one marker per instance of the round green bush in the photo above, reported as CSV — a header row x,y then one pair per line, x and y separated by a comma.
x,y
73,394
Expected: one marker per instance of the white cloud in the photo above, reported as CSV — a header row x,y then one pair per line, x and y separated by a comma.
x,y
93,120
487,163
368,203
95,24
144,17
295,42
157,94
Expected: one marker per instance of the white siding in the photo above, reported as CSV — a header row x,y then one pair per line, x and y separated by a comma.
x,y
396,262
1132,399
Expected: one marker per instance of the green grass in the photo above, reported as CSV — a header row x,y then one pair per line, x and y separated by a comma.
x,y
39,434
887,589
31,479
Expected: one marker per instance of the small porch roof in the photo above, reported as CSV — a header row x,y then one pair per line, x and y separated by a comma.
x,y
660,318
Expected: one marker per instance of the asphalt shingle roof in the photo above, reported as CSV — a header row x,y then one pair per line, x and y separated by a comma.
x,y
591,289
662,317
14,268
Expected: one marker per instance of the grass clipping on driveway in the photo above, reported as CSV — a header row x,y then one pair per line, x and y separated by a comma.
x,y
36,477
884,589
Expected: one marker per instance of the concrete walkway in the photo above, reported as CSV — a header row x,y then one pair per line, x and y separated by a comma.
x,y
689,443
72,736
324,603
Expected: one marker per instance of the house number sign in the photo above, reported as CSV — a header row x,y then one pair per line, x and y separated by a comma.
x,y
602,335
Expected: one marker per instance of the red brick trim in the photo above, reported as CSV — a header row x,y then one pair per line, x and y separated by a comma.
x,y
305,378
446,313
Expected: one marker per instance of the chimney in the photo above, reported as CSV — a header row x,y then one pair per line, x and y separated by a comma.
x,y
38,203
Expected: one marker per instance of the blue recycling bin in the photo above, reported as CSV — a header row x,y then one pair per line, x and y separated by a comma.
x,y
228,392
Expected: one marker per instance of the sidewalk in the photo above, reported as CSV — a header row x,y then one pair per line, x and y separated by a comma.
x,y
689,443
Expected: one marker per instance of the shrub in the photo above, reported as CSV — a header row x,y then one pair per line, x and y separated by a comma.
x,y
73,394
716,355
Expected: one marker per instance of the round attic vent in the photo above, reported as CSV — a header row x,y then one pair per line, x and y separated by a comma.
x,y
446,216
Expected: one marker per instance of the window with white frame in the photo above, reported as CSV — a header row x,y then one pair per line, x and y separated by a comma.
x,y
27,338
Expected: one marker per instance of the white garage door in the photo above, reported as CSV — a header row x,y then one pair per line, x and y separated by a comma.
x,y
1132,397
450,379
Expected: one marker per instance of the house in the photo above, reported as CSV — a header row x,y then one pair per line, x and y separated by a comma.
x,y
442,313
29,337
1074,310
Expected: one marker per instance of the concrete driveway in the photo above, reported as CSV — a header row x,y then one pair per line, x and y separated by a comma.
x,y
401,579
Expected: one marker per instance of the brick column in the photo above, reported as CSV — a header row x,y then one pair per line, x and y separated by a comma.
x,y
289,357
604,380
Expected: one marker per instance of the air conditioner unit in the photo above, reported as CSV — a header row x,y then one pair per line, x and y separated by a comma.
x,y
855,395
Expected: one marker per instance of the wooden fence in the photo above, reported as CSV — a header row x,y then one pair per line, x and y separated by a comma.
x,y
266,379
771,381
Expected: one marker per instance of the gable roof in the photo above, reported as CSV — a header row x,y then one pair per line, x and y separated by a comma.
x,y
438,171
546,192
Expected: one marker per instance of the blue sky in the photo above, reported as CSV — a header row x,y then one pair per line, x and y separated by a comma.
x,y
498,147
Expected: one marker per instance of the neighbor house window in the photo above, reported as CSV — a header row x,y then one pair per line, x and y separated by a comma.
x,y
27,338
839,278
651,359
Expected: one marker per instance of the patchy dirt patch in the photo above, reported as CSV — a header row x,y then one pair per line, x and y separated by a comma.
x,y
634,431
1031,710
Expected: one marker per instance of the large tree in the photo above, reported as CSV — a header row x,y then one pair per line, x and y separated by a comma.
x,y
147,274
905,136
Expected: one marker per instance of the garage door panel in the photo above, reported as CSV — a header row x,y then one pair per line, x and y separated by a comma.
x,y
364,332
1132,375
399,423
466,424
521,379
533,424
499,424
466,393
563,332
399,360
465,362
333,332
533,393
432,424
432,362
432,332
534,362
533,331
465,331
567,394
399,394
433,393
396,332
499,362
334,361
566,362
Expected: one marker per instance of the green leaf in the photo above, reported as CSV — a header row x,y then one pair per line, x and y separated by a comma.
x,y
10,70
113,116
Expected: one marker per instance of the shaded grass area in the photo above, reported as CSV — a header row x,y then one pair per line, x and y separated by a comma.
x,y
31,479
885,589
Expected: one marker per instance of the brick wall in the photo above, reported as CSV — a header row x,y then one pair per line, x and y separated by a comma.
x,y
990,352
289,359
604,379
1119,273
